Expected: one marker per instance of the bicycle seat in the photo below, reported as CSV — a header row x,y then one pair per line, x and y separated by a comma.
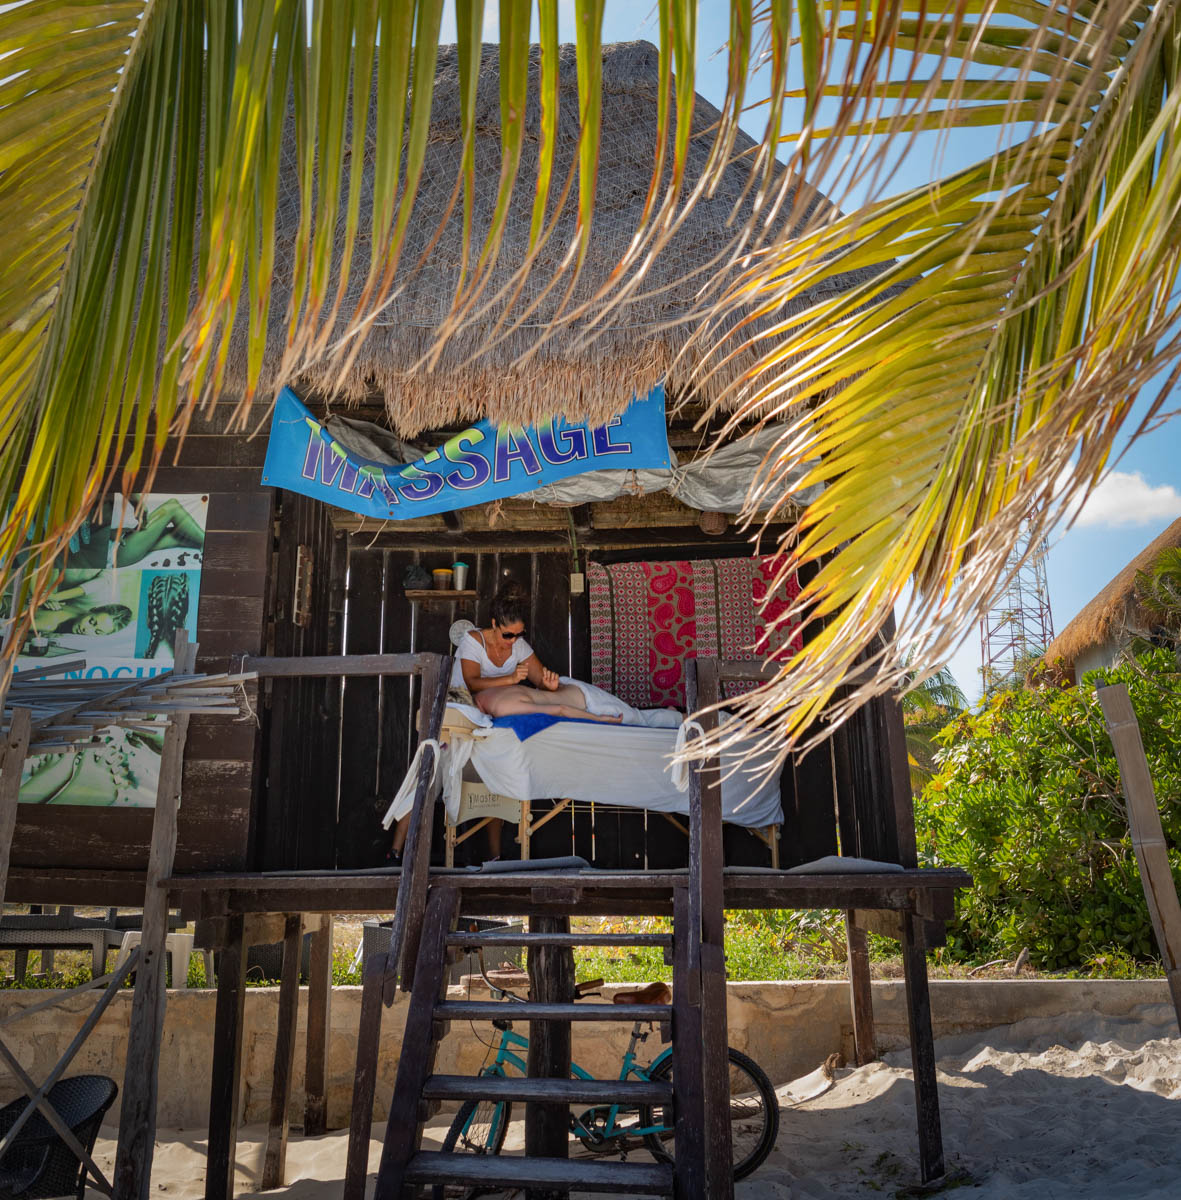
x,y
652,993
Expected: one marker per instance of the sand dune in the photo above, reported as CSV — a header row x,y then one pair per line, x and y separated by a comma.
x,y
1078,1108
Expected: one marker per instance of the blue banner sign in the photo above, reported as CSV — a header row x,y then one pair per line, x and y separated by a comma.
x,y
480,464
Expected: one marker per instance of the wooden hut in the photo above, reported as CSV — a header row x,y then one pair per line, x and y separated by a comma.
x,y
314,600
1110,619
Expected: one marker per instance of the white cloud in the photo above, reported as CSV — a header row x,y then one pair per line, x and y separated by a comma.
x,y
1124,499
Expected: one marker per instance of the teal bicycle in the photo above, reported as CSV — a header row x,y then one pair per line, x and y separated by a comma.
x,y
480,1126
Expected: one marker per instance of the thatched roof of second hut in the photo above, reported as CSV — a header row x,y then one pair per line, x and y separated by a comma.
x,y
1114,611
637,344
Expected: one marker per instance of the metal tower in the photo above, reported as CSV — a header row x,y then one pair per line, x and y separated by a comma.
x,y
1018,627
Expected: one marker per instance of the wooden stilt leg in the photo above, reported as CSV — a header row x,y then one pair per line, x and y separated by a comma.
x,y
922,1050
860,991
315,1118
689,1160
227,1064
365,1078
551,981
137,1119
275,1159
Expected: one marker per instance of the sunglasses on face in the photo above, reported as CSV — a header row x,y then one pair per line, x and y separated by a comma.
x,y
508,637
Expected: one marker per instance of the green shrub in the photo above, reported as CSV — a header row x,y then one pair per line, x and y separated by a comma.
x,y
1027,798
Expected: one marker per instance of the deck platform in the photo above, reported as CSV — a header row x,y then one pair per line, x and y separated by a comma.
x,y
927,892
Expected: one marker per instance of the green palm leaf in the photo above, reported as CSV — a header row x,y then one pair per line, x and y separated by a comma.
x,y
1016,310
983,374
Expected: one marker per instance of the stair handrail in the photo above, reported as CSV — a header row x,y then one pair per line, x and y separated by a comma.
x,y
414,882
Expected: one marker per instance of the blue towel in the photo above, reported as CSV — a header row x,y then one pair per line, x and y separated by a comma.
x,y
525,725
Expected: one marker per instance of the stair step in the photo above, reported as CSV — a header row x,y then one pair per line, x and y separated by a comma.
x,y
559,939
572,1091
433,1166
498,1010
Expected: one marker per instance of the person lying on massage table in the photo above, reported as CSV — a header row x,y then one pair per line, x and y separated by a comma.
x,y
503,675
496,670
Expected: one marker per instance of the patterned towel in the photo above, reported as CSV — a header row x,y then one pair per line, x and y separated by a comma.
x,y
647,618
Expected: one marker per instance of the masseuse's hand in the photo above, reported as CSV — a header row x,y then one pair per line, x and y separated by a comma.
x,y
549,679
521,673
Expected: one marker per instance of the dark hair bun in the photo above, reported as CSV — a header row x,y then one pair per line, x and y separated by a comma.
x,y
510,604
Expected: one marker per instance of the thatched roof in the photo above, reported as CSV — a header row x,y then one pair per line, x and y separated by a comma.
x,y
1113,611
639,342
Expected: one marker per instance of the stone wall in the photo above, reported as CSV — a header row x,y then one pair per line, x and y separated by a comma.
x,y
790,1028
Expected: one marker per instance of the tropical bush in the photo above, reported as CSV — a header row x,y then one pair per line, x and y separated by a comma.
x,y
1028,799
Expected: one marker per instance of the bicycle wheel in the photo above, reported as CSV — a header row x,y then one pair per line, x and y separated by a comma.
x,y
754,1115
480,1127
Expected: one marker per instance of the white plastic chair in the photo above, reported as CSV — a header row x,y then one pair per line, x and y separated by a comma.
x,y
178,947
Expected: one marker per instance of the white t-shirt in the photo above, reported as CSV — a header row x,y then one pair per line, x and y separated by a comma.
x,y
472,649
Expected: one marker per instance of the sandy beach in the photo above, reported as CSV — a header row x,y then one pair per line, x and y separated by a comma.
x,y
1078,1107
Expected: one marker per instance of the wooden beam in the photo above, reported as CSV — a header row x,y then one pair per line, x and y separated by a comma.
x,y
137,1115
275,1159
225,1085
12,760
315,1118
1148,838
319,666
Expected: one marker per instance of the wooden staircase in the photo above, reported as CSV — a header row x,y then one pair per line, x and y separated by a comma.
x,y
548,1091
424,931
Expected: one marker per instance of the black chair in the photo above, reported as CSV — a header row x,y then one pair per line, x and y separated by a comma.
x,y
39,1164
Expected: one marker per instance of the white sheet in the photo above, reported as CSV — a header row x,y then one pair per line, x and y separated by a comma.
x,y
628,764
623,765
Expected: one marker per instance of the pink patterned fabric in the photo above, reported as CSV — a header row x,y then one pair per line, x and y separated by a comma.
x,y
648,618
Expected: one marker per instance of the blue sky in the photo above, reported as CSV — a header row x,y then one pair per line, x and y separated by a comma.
x,y
1142,493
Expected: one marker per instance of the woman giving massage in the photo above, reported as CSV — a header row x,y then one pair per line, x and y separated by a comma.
x,y
503,676
496,669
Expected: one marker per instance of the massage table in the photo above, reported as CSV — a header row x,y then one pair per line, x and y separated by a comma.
x,y
489,770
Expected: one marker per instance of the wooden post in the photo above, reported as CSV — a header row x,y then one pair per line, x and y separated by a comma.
x,y
364,1079
1148,838
315,1114
922,1049
860,990
706,859
15,747
551,981
275,1160
137,1116
225,1089
689,1110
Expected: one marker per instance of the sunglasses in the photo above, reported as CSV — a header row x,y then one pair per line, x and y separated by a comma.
x,y
509,637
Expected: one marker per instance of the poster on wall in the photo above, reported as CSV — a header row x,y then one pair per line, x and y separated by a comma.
x,y
131,580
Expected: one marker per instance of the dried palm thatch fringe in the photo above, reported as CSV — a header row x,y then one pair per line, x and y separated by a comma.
x,y
1113,611
496,364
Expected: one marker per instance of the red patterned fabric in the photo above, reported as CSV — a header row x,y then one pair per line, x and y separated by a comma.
x,y
648,618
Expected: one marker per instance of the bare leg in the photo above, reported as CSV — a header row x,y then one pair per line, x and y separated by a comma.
x,y
510,701
401,829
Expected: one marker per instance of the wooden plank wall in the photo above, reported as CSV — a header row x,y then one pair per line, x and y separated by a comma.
x,y
377,741
220,756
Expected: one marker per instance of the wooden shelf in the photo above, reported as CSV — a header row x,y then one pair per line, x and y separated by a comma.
x,y
440,594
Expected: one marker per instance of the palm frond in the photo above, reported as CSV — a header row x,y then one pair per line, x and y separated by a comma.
x,y
979,380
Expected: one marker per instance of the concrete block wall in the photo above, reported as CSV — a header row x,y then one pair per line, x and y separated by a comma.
x,y
790,1028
